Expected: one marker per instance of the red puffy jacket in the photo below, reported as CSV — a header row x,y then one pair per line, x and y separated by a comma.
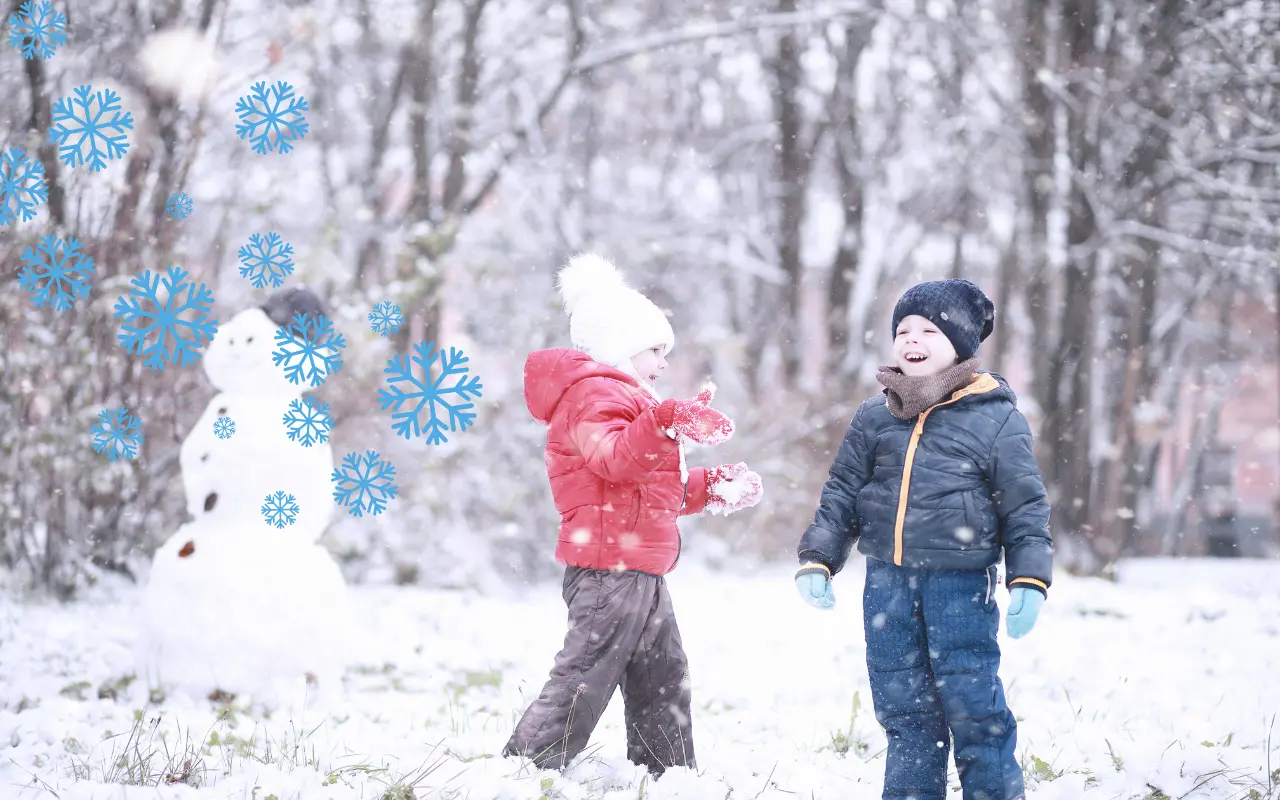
x,y
615,477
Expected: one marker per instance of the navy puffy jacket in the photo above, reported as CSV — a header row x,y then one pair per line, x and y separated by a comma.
x,y
948,491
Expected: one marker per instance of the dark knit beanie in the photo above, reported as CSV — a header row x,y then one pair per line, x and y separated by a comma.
x,y
284,305
959,308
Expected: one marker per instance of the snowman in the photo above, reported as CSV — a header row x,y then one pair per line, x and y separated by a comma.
x,y
238,600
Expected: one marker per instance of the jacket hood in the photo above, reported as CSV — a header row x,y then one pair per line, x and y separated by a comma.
x,y
1001,390
549,374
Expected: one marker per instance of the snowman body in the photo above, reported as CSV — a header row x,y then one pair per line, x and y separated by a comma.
x,y
234,602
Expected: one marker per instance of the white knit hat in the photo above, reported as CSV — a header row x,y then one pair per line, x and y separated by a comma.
x,y
608,320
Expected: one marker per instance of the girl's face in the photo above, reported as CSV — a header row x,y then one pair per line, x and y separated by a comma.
x,y
650,364
920,348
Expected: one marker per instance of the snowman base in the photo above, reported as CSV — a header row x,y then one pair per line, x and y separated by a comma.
x,y
233,610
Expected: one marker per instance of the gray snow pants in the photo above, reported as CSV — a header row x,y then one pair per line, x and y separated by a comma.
x,y
622,630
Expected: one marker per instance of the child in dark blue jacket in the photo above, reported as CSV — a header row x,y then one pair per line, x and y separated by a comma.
x,y
935,480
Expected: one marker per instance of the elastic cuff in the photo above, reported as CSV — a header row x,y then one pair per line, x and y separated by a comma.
x,y
1030,583
814,569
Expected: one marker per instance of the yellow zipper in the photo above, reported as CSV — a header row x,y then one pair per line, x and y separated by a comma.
x,y
983,384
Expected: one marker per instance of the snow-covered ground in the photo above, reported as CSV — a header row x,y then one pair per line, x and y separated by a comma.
x,y
1163,685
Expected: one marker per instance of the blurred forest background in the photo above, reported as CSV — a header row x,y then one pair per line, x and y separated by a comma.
x,y
773,172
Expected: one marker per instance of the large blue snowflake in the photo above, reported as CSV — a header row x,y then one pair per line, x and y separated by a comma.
x,y
280,509
180,206
433,395
308,421
308,348
224,427
83,132
271,118
56,273
386,318
152,322
37,30
22,186
267,260
117,434
364,483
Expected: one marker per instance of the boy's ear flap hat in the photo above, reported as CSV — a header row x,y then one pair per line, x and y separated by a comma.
x,y
608,320
284,305
959,308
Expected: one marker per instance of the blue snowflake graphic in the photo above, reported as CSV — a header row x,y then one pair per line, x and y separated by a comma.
x,y
37,30
224,427
144,312
386,318
308,348
271,118
22,186
180,206
117,434
308,421
80,122
267,260
280,509
56,273
364,483
430,393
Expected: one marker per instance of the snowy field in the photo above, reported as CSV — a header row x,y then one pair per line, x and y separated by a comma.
x,y
1163,685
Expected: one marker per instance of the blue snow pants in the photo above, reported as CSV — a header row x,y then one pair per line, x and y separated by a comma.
x,y
932,658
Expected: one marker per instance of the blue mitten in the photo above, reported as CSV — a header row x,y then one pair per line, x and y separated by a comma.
x,y
1024,607
814,583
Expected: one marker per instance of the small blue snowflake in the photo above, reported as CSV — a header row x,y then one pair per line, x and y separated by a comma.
x,y
267,260
365,483
308,421
22,186
117,434
37,30
224,427
308,348
180,206
280,509
80,122
430,393
155,306
386,318
56,273
271,118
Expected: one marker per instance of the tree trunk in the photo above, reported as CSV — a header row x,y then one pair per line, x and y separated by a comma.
x,y
1068,422
1038,187
790,168
847,149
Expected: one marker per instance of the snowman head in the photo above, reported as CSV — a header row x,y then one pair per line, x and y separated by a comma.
x,y
239,357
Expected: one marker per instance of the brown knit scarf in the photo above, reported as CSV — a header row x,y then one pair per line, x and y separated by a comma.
x,y
910,395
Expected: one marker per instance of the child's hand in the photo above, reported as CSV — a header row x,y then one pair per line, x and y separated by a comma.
x,y
814,583
732,487
694,419
1024,607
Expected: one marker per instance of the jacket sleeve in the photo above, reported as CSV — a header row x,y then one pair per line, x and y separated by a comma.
x,y
695,492
616,443
1022,506
834,529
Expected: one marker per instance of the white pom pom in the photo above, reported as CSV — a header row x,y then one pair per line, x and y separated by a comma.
x,y
585,274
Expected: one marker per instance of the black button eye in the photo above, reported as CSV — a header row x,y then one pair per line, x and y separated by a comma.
x,y
249,340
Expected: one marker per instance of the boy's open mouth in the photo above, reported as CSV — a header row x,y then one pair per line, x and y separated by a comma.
x,y
915,358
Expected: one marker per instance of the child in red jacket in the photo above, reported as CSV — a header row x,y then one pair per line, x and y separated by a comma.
x,y
615,460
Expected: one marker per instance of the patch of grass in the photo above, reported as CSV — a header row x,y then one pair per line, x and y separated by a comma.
x,y
844,741
1116,761
145,757
112,689
75,691
1042,771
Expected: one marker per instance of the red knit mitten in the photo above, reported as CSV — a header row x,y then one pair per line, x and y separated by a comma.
x,y
732,487
694,419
